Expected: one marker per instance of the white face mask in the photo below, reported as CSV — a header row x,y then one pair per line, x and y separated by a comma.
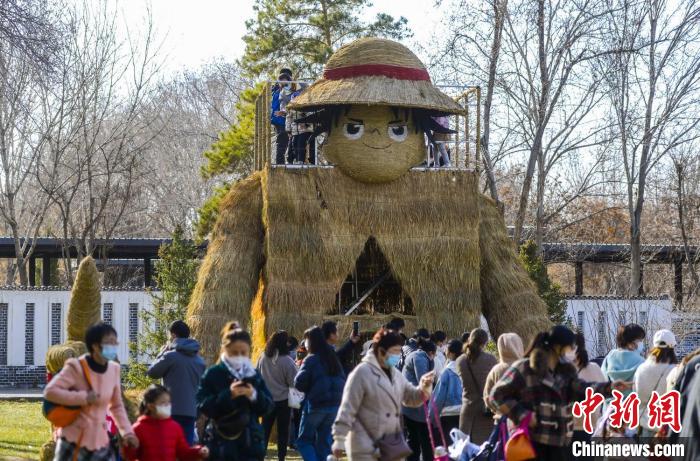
x,y
164,410
570,356
238,361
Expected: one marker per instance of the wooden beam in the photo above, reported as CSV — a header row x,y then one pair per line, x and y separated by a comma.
x,y
678,282
45,271
579,278
32,271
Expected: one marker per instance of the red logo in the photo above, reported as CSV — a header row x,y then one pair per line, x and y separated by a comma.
x,y
662,410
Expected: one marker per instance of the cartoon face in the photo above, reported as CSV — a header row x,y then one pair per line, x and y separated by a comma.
x,y
374,143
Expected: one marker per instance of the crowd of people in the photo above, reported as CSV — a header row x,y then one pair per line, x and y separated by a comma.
x,y
295,134
390,395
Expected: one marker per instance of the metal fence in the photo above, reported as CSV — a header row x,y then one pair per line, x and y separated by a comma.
x,y
463,146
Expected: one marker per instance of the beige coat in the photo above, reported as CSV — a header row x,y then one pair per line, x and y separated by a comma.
x,y
370,397
510,349
473,420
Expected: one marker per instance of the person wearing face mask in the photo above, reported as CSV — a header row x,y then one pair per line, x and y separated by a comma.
x,y
160,437
417,364
372,399
652,374
543,387
447,397
181,367
321,378
281,92
587,371
621,363
234,397
91,382
440,339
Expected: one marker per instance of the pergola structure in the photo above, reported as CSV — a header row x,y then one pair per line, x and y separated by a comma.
x,y
139,251
142,251
601,253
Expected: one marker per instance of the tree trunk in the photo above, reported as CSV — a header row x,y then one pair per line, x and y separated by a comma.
x,y
499,10
539,133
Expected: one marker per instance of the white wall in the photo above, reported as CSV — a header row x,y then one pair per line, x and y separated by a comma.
x,y
18,299
600,317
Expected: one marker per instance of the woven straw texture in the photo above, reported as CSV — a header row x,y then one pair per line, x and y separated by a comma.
x,y
57,355
375,157
446,244
84,306
228,277
375,90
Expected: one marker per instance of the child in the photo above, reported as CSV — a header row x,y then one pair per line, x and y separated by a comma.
x,y
160,437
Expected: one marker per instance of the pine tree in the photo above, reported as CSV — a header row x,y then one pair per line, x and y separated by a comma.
x,y
549,291
300,34
176,275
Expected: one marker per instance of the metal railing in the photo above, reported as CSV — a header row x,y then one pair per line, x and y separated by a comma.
x,y
463,146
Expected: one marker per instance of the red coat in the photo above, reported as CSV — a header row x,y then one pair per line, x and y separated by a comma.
x,y
161,440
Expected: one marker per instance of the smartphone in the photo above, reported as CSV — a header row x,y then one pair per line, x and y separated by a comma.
x,y
355,328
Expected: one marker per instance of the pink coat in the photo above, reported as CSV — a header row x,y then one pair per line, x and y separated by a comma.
x,y
69,387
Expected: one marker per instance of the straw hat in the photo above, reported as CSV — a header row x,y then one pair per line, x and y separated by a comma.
x,y
376,71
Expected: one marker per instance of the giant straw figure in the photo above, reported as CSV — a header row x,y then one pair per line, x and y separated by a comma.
x,y
286,239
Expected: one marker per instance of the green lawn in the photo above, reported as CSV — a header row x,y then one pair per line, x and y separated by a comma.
x,y
23,430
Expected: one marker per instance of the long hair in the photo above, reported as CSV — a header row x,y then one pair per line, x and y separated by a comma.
x,y
475,344
317,345
581,352
278,342
558,335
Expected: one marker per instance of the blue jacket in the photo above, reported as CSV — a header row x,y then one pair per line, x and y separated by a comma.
x,y
275,106
448,391
322,390
417,364
181,368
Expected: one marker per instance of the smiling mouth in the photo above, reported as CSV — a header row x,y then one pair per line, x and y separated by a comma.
x,y
377,148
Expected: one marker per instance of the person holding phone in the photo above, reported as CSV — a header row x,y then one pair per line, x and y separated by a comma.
x,y
234,397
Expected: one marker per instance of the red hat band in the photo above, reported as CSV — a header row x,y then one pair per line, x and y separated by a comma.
x,y
386,70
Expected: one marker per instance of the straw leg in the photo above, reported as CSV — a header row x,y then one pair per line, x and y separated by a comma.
x,y
228,278
510,301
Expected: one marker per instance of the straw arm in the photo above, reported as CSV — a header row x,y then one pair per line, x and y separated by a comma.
x,y
510,301
228,279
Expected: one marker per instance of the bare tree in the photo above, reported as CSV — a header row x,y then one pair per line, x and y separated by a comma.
x,y
105,85
653,95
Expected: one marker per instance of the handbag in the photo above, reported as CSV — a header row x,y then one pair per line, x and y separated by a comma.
x,y
390,446
519,447
439,452
486,411
65,415
295,398
493,449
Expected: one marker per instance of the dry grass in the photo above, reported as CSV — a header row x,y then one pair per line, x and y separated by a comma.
x,y
376,90
446,244
228,278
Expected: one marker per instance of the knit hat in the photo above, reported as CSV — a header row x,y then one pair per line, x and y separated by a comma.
x,y
664,338
376,71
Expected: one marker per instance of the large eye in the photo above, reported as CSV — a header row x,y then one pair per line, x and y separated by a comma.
x,y
353,130
398,132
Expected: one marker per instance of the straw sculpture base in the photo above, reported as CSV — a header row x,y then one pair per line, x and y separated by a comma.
x,y
286,239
